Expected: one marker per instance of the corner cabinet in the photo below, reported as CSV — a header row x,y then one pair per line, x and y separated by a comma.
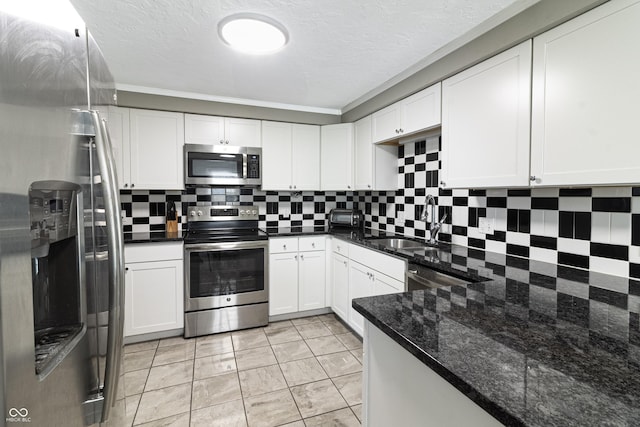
x,y
290,156
485,122
200,129
336,157
376,166
156,159
360,272
154,291
585,99
418,112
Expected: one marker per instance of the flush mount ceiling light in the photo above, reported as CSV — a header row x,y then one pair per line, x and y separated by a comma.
x,y
252,33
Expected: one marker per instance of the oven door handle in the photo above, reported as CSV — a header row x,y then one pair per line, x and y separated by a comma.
x,y
226,246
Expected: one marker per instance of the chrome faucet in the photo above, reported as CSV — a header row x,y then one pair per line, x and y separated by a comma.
x,y
434,227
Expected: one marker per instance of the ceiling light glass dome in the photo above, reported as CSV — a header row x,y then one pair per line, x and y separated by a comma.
x,y
252,33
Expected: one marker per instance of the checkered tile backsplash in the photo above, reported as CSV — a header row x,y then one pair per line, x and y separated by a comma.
x,y
592,228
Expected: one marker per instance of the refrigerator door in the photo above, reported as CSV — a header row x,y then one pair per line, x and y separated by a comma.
x,y
51,159
42,79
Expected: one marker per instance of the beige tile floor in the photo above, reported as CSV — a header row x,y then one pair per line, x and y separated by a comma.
x,y
300,372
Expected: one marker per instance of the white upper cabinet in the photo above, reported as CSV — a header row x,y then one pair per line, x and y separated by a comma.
x,y
421,110
290,156
156,140
485,122
201,129
418,112
336,147
586,88
305,167
376,166
118,124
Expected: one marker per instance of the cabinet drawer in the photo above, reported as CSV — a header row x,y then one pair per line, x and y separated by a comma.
x,y
391,266
340,247
314,243
282,245
144,252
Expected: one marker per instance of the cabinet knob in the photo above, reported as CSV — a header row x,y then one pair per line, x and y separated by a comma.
x,y
345,263
221,141
313,245
368,185
290,187
284,246
126,185
532,178
348,186
126,269
338,247
443,183
294,187
132,185
397,131
295,257
227,142
302,257
401,130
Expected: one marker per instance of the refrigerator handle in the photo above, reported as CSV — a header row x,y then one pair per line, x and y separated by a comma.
x,y
116,261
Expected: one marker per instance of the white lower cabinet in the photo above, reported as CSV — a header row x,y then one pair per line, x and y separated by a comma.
x,y
360,285
154,292
340,285
358,272
297,274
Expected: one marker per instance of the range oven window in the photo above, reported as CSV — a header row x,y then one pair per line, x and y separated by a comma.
x,y
228,272
215,165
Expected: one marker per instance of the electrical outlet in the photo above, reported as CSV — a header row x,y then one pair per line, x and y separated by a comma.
x,y
486,225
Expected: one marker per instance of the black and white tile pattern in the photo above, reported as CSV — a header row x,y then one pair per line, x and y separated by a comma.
x,y
591,228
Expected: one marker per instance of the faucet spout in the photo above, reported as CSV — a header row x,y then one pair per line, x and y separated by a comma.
x,y
435,225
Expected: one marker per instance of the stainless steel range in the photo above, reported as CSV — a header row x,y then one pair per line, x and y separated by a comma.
x,y
226,270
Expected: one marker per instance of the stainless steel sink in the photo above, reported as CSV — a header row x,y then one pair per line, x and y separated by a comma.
x,y
399,243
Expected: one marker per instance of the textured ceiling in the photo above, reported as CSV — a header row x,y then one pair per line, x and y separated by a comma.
x,y
339,50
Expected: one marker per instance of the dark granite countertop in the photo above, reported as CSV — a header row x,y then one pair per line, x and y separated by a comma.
x,y
153,237
533,343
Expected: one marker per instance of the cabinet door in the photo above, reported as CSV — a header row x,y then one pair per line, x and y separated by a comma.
x,y
360,285
157,138
585,99
199,129
336,173
386,123
340,286
305,163
276,156
363,148
153,297
421,110
118,123
311,280
283,283
485,122
243,132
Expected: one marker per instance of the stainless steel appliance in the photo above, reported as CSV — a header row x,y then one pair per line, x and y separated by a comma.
x,y
226,270
222,165
61,252
350,218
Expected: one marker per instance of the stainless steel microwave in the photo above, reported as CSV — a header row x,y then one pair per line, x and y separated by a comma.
x,y
222,165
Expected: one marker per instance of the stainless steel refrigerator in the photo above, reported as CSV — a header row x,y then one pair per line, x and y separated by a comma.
x,y
61,249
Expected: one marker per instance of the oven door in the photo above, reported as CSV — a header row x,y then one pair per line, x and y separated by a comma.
x,y
225,274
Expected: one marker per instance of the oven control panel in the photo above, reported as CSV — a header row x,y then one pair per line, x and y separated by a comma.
x,y
222,213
